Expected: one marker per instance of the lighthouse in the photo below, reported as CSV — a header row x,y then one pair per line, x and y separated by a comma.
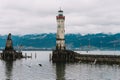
x,y
60,40
61,54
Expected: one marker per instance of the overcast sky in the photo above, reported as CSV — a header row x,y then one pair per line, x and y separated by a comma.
x,y
39,16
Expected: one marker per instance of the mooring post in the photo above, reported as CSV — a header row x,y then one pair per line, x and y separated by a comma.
x,y
31,55
25,55
50,57
35,55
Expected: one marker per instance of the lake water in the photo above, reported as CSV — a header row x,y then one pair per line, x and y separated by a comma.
x,y
29,69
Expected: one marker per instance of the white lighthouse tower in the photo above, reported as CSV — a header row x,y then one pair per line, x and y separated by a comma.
x,y
60,40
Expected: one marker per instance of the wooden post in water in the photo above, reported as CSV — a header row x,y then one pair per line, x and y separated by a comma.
x,y
50,57
35,56
31,55
25,55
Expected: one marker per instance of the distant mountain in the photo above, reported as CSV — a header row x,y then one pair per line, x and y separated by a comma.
x,y
73,41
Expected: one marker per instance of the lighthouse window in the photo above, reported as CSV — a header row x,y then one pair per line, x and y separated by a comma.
x,y
58,26
57,36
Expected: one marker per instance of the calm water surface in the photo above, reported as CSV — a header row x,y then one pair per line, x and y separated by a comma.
x,y
29,69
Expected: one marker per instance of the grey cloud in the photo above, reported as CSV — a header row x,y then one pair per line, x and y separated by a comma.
x,y
39,16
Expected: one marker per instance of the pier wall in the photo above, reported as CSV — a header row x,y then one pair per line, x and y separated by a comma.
x,y
71,56
99,58
64,56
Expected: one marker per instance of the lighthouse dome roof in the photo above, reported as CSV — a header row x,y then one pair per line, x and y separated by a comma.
x,y
60,11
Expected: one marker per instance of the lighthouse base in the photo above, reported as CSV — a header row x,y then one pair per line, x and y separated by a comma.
x,y
64,56
11,55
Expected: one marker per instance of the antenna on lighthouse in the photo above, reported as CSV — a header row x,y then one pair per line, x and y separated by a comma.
x,y
60,7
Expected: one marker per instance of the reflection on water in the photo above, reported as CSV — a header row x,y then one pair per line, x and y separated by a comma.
x,y
29,69
8,69
60,71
